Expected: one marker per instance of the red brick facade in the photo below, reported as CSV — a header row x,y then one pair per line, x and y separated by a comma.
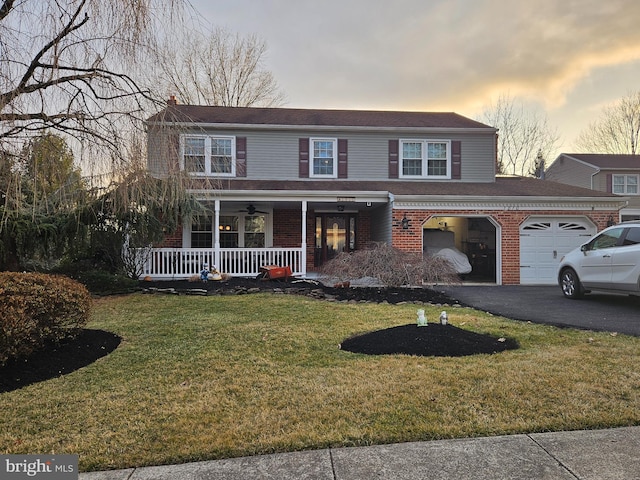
x,y
411,239
287,230
287,227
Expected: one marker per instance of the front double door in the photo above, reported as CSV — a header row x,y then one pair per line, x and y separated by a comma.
x,y
335,233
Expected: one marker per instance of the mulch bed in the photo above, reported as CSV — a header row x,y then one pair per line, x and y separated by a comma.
x,y
432,340
239,286
57,360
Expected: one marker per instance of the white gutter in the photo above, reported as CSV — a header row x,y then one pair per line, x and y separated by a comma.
x,y
294,195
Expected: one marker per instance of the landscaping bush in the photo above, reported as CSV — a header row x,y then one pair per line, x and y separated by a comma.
x,y
391,266
97,280
100,282
37,309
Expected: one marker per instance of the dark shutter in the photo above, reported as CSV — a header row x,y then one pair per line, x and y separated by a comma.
x,y
456,160
393,158
342,158
241,156
303,164
609,183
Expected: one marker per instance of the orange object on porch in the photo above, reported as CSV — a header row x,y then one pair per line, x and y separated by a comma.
x,y
274,272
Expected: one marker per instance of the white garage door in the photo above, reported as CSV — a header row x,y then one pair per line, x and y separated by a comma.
x,y
543,242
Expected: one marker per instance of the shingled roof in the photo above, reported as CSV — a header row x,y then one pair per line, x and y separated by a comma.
x,y
517,187
607,161
312,117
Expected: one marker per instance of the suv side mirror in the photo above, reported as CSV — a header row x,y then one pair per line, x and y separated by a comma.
x,y
585,248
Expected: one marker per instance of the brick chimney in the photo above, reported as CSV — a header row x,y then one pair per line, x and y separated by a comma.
x,y
172,100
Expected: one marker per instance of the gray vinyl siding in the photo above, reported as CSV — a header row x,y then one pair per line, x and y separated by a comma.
x,y
600,183
570,172
162,145
156,145
273,154
381,223
600,179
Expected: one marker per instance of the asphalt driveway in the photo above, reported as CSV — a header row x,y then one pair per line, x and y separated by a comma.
x,y
546,304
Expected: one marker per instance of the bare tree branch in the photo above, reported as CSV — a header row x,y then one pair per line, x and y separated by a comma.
x,y
6,7
617,131
523,136
218,69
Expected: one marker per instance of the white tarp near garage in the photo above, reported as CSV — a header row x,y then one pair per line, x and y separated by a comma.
x,y
543,242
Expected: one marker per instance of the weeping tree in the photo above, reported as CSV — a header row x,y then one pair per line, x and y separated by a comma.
x,y
68,67
41,189
70,97
84,72
132,213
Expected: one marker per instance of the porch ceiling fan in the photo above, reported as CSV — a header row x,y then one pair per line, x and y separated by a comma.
x,y
251,210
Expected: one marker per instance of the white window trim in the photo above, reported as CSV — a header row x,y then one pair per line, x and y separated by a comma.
x,y
207,155
626,176
334,141
425,145
268,228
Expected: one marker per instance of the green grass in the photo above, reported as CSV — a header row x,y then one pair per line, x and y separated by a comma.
x,y
211,377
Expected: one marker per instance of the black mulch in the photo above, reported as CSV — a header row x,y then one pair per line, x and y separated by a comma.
x,y
57,360
358,294
432,340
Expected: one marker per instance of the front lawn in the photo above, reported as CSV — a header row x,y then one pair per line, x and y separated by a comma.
x,y
200,378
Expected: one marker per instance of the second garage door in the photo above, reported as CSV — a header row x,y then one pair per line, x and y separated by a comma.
x,y
543,242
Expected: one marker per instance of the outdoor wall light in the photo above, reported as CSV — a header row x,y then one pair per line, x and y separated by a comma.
x,y
404,223
610,221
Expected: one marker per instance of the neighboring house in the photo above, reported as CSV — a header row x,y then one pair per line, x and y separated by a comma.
x,y
296,187
618,174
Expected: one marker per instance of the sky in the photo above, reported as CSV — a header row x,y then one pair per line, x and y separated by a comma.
x,y
566,58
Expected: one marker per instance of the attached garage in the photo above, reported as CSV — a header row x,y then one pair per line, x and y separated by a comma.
x,y
543,242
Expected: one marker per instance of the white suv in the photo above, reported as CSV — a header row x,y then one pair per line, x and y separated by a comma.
x,y
609,262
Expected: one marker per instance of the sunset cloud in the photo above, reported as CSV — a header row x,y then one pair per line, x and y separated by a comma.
x,y
443,54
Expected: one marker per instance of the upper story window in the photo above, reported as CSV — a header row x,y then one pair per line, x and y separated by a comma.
x,y
204,155
324,159
425,158
625,184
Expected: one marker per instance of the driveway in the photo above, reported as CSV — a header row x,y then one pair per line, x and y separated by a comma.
x,y
546,304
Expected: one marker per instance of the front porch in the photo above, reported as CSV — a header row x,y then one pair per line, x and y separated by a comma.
x,y
248,230
182,263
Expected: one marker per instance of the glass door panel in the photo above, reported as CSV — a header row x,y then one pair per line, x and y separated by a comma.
x,y
336,235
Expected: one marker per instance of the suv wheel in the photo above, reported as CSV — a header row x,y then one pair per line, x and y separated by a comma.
x,y
570,283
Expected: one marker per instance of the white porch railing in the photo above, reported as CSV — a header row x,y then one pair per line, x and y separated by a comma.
x,y
178,263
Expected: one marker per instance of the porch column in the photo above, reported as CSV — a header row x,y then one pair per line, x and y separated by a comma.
x,y
303,244
216,236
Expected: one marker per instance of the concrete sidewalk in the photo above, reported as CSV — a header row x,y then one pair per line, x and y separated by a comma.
x,y
584,455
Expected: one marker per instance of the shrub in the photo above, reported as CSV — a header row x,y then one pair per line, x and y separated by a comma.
x,y
391,266
98,281
37,309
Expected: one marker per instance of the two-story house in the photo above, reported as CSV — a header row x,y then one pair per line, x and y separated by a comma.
x,y
618,174
297,186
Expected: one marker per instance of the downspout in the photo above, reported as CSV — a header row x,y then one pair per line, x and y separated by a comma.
x,y
593,175
303,243
216,236
392,199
